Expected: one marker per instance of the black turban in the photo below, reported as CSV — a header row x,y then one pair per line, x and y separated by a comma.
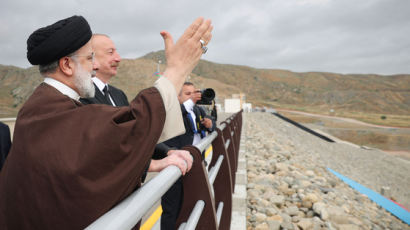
x,y
55,41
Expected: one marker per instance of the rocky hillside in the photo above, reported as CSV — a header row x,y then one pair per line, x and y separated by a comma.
x,y
317,92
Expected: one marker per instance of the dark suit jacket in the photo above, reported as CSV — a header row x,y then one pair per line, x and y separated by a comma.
x,y
117,95
184,139
188,137
5,143
200,114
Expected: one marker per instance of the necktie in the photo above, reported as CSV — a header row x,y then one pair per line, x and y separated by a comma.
x,y
191,121
107,95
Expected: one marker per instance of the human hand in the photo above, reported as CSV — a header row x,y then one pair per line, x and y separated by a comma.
x,y
186,155
207,122
174,159
184,55
196,96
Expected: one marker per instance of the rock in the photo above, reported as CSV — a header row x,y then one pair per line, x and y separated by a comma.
x,y
296,219
289,180
325,190
348,227
263,203
274,224
309,173
340,219
304,183
305,224
275,218
310,214
253,193
286,217
287,225
262,226
265,179
307,204
335,211
282,167
260,217
271,211
292,210
277,200
354,221
324,214
320,208
309,200
269,192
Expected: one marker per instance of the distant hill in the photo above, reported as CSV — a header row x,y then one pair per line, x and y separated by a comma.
x,y
312,91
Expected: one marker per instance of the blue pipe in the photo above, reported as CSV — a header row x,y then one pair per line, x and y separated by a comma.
x,y
387,204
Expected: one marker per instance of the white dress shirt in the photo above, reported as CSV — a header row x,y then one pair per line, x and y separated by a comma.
x,y
189,106
64,89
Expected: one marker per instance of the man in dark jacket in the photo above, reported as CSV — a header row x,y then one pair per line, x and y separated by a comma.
x,y
5,143
196,125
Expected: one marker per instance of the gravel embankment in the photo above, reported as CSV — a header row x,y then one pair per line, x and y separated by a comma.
x,y
290,188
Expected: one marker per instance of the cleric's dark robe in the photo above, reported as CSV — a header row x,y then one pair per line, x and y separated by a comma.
x,y
70,163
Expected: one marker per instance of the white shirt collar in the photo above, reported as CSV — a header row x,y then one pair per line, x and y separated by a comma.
x,y
64,89
100,84
189,105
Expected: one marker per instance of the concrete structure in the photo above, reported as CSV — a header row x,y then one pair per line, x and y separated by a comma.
x,y
247,107
232,105
219,108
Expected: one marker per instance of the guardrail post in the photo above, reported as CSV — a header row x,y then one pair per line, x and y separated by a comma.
x,y
226,133
223,185
196,187
237,120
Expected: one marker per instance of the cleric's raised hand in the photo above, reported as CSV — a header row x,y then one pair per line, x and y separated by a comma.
x,y
183,56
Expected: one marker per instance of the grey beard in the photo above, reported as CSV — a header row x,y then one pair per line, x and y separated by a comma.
x,y
83,82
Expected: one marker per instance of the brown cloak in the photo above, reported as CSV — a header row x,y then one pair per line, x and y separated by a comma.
x,y
71,163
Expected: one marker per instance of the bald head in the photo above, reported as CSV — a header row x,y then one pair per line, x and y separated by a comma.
x,y
107,56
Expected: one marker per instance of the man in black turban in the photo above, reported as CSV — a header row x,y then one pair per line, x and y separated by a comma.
x,y
70,163
62,38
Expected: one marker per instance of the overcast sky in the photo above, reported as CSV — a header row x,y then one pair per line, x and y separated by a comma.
x,y
341,36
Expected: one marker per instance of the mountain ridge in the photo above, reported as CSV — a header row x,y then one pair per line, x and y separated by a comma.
x,y
307,91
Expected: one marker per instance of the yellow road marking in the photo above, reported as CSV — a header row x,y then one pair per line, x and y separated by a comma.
x,y
152,219
208,151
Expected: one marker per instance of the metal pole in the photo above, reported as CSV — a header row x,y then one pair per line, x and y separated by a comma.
x,y
195,215
204,143
127,213
215,170
219,212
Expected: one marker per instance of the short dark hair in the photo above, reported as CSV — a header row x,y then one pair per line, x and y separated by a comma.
x,y
48,68
52,66
188,83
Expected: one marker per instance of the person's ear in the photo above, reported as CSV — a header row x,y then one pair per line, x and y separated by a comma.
x,y
66,65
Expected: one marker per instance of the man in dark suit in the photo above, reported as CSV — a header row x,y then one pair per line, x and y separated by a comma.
x,y
196,122
196,125
109,59
107,55
5,143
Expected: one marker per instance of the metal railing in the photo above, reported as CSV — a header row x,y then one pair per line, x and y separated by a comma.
x,y
202,189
